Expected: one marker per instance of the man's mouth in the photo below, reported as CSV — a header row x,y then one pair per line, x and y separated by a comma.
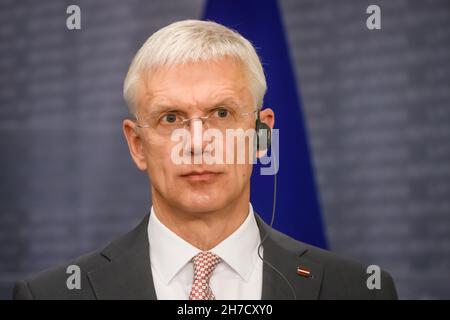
x,y
201,175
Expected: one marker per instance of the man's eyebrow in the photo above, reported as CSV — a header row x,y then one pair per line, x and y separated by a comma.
x,y
227,101
160,108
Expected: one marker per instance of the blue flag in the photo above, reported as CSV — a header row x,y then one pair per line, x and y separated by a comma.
x,y
297,210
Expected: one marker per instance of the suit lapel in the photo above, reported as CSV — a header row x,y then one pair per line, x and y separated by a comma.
x,y
128,274
280,268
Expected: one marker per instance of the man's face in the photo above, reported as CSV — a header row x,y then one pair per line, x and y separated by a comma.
x,y
192,90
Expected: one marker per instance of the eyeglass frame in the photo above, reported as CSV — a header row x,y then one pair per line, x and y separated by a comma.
x,y
204,119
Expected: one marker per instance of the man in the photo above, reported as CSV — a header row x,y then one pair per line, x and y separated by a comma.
x,y
202,239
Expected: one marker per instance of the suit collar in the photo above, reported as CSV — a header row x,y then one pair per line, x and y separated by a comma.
x,y
127,272
282,257
234,250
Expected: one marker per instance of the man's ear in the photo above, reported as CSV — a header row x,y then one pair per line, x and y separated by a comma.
x,y
266,116
135,143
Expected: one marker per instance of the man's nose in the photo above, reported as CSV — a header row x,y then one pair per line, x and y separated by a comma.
x,y
197,143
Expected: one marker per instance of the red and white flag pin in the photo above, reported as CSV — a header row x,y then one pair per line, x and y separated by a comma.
x,y
304,272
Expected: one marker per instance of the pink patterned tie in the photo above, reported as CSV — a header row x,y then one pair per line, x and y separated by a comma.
x,y
204,264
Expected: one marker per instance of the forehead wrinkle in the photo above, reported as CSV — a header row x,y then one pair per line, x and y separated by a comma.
x,y
193,96
161,100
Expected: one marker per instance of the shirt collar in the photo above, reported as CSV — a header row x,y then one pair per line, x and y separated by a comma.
x,y
169,253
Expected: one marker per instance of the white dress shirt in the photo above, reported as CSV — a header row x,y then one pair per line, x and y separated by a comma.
x,y
238,276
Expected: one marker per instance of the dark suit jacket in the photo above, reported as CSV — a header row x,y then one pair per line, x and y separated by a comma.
x,y
122,271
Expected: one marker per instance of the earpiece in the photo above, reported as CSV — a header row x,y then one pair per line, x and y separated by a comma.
x,y
262,130
263,133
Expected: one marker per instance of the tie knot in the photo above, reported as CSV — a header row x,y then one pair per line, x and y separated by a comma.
x,y
204,264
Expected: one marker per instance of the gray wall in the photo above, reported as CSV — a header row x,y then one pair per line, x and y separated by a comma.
x,y
67,182
376,104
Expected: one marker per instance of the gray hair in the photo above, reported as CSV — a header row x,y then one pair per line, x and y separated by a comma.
x,y
192,41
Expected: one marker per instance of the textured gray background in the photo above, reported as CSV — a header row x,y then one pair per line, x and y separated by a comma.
x,y
377,105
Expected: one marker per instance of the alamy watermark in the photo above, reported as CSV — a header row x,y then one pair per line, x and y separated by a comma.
x,y
234,146
74,280
73,21
373,22
374,280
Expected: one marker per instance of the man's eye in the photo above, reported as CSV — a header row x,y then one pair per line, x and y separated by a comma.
x,y
169,118
221,113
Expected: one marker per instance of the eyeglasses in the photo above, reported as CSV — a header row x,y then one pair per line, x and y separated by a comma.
x,y
220,118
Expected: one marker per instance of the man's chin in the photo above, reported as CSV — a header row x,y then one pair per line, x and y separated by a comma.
x,y
202,205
